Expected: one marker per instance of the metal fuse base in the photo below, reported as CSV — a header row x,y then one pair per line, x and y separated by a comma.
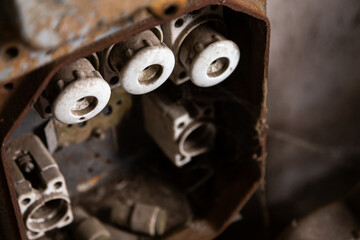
x,y
40,187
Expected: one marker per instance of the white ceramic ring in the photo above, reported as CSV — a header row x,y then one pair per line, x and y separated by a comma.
x,y
225,50
96,89
160,58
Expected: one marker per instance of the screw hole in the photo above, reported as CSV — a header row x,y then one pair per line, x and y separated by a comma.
x,y
69,126
181,125
58,185
25,201
12,52
119,102
90,170
179,23
9,86
170,10
114,80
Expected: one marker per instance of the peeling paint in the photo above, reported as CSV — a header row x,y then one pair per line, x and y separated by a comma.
x,y
48,37
43,58
78,42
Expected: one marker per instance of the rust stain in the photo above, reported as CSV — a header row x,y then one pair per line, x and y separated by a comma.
x,y
167,8
85,186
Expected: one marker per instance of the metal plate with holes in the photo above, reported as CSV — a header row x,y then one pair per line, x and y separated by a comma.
x,y
119,104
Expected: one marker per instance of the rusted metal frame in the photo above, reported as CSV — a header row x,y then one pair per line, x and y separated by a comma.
x,y
22,103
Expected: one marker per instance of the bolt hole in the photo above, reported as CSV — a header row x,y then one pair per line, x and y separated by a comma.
x,y
179,23
67,218
170,10
90,170
12,52
81,124
119,102
25,201
181,125
69,126
107,110
114,80
58,185
9,86
182,75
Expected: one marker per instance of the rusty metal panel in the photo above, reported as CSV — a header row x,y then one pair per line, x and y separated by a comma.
x,y
48,30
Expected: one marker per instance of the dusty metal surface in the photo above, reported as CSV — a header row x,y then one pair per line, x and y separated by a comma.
x,y
24,90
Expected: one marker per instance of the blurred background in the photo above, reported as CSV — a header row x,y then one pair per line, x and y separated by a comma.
x,y
313,114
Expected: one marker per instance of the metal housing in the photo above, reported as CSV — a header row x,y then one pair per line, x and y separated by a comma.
x,y
27,66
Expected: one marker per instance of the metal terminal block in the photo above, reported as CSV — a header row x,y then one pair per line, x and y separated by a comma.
x,y
87,227
76,93
142,63
202,54
182,132
142,218
40,187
